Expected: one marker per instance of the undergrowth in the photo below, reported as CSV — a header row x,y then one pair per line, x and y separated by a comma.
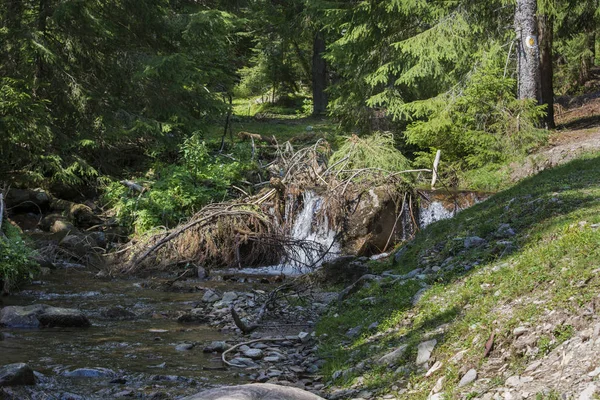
x,y
16,258
176,191
540,254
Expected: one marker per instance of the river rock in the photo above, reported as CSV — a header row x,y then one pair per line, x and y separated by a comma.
x,y
244,362
210,296
16,375
255,391
196,315
229,297
90,373
118,313
374,222
63,317
217,346
37,315
473,241
184,346
424,351
255,354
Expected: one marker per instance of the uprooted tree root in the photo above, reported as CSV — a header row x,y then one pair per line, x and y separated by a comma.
x,y
256,230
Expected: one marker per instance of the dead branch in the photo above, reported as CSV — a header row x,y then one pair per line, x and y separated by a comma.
x,y
270,339
245,328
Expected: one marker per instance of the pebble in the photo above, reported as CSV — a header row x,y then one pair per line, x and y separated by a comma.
x,y
424,351
588,393
468,378
184,346
255,354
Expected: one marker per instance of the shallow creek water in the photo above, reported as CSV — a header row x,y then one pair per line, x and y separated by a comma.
x,y
142,351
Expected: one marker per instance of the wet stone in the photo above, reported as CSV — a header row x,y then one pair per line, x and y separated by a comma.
x,y
255,354
16,375
184,347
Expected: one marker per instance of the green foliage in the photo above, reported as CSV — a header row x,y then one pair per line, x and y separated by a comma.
x,y
374,151
177,191
477,123
554,215
87,87
16,257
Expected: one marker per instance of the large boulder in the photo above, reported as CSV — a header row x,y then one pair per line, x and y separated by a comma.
x,y
41,315
375,223
255,391
16,375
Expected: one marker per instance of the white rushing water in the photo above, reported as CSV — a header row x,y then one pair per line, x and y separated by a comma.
x,y
315,233
435,211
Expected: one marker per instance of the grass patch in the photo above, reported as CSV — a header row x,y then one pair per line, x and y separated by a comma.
x,y
547,260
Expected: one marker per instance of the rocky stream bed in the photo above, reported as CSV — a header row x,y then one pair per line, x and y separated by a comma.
x,y
151,338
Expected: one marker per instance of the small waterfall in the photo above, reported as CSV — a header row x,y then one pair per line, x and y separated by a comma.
x,y
435,211
312,240
320,237
443,205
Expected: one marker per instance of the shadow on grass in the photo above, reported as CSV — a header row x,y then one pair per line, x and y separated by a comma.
x,y
511,222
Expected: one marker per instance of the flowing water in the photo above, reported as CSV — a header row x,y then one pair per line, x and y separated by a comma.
x,y
142,350
441,205
319,241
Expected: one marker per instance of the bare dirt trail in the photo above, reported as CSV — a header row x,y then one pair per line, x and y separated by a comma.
x,y
578,132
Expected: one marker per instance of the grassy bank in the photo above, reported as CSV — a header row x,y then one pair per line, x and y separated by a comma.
x,y
539,252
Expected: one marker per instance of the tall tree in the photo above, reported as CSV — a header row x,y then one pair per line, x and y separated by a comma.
x,y
529,83
319,75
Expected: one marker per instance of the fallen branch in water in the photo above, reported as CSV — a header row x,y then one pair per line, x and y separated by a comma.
x,y
224,359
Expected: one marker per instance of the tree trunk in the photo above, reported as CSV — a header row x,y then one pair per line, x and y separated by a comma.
x,y
319,74
587,62
43,14
546,26
528,50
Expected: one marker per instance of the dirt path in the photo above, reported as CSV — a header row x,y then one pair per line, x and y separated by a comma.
x,y
578,132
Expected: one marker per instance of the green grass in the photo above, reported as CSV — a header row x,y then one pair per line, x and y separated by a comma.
x,y
551,260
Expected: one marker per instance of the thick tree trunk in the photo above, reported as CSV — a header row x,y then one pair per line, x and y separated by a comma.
x,y
528,50
319,75
546,25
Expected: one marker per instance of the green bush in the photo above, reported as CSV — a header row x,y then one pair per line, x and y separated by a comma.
x,y
177,191
16,257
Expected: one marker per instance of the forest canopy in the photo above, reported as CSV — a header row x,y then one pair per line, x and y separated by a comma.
x,y
92,91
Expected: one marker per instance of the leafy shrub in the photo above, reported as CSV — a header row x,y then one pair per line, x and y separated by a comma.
x,y
16,258
178,190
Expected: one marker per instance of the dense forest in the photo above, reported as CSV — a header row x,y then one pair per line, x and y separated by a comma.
x,y
93,89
